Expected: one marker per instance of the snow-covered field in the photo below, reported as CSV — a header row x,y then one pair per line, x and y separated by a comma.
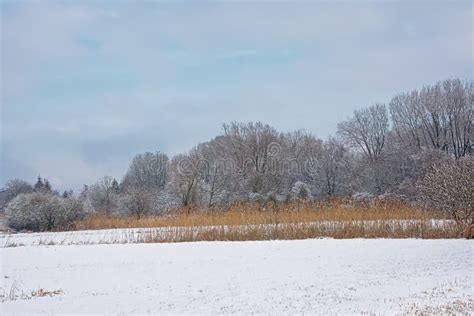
x,y
312,276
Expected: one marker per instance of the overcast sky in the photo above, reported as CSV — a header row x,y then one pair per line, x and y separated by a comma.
x,y
87,85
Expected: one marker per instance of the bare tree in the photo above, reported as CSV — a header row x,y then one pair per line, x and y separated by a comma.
x,y
137,202
367,130
216,171
459,102
438,117
148,170
102,195
255,149
331,166
185,177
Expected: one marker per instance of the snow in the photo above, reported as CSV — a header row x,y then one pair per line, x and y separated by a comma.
x,y
266,277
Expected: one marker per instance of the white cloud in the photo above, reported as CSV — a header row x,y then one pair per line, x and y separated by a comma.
x,y
311,62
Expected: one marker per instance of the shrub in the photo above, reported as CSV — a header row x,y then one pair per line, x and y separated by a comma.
x,y
40,212
71,209
301,191
13,188
448,186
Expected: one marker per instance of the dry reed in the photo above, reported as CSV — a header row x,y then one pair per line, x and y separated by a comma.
x,y
296,220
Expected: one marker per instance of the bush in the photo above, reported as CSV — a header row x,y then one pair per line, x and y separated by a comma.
x,y
13,188
448,186
301,191
42,212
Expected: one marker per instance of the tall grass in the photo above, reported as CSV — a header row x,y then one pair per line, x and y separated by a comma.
x,y
295,220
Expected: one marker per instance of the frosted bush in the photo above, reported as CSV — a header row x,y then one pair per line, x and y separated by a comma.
x,y
448,186
256,197
300,191
41,212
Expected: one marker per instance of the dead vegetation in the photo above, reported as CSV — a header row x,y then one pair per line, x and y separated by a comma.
x,y
296,220
270,213
14,293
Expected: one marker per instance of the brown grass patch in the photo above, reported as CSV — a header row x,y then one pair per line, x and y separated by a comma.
x,y
254,214
250,221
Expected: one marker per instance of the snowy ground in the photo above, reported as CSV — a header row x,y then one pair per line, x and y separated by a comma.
x,y
312,276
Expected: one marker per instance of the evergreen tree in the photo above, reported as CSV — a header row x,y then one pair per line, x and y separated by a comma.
x,y
39,185
47,186
115,186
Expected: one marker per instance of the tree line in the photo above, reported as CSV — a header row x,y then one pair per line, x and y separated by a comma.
x,y
404,149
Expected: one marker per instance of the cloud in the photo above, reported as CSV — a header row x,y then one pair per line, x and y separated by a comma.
x,y
85,86
34,33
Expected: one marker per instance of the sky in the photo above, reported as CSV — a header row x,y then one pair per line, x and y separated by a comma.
x,y
86,85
